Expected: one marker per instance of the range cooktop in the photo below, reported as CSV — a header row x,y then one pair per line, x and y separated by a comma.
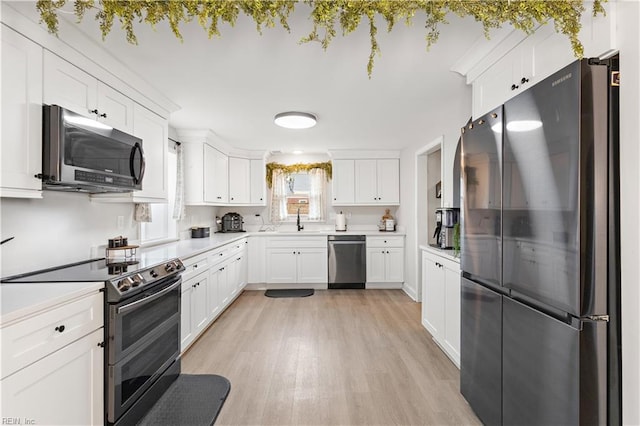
x,y
123,277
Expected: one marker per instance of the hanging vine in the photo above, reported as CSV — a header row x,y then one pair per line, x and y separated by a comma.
x,y
326,15
297,168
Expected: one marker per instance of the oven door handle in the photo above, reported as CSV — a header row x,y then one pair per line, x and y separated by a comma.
x,y
151,298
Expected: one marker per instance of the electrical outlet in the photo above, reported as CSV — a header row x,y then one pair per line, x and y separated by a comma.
x,y
120,223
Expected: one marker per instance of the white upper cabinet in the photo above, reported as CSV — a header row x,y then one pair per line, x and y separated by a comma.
x,y
343,182
377,181
500,76
206,174
72,88
154,131
220,183
239,180
21,143
258,183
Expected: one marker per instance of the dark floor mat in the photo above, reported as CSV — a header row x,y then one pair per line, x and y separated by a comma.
x,y
190,400
293,292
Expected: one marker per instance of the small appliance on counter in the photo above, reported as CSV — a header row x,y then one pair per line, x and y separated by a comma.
x,y
387,223
232,222
446,220
341,222
200,232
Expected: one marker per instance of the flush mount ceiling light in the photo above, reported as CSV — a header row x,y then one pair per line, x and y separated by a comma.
x,y
295,120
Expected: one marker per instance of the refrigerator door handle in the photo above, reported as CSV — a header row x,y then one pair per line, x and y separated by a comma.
x,y
595,318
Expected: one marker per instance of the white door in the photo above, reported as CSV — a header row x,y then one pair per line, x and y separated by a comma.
x,y
220,177
343,182
199,302
224,293
239,180
64,388
186,321
376,264
366,191
452,309
258,183
68,86
281,265
210,187
21,143
434,298
114,108
312,265
394,258
214,294
153,130
388,175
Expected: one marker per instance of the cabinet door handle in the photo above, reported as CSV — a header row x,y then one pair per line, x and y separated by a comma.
x,y
382,252
524,80
195,266
103,115
514,86
60,328
93,111
387,251
239,258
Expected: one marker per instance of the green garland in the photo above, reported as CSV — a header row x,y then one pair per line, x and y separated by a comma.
x,y
297,168
325,14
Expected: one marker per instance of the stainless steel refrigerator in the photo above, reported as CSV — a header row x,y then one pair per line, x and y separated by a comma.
x,y
540,332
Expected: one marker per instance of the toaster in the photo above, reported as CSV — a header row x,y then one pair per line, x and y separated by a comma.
x,y
232,222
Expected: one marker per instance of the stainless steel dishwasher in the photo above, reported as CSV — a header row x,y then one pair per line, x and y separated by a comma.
x,y
347,261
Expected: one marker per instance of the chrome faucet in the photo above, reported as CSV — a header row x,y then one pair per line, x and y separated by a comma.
x,y
300,227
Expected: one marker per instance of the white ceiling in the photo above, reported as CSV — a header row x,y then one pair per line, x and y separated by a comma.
x,y
235,84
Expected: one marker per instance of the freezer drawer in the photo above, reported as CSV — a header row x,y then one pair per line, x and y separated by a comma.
x,y
481,351
553,373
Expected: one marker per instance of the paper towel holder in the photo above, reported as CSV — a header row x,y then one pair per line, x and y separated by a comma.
x,y
341,222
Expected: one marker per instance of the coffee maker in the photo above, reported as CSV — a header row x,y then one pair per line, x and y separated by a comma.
x,y
446,219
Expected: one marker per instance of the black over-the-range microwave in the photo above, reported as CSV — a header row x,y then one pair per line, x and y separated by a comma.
x,y
81,154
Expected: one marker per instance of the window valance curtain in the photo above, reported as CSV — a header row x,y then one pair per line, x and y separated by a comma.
x,y
297,168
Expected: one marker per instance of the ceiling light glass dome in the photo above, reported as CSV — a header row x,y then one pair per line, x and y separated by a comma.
x,y
295,120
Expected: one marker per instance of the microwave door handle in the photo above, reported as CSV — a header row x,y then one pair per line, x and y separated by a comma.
x,y
137,147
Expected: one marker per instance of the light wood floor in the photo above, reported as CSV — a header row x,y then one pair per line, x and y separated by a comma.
x,y
339,357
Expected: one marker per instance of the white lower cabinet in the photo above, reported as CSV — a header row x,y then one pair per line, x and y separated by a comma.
x,y
385,259
194,307
64,388
211,281
291,260
53,365
441,302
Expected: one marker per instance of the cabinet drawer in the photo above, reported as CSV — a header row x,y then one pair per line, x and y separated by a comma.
x,y
297,242
387,241
27,341
194,265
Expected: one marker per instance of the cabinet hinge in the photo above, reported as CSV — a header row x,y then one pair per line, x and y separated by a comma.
x,y
615,78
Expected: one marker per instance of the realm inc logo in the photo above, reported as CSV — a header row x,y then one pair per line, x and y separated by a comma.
x,y
561,80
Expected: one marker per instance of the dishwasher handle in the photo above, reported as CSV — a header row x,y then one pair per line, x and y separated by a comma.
x,y
347,242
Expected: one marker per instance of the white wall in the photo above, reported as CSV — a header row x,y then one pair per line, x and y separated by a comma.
x,y
446,121
628,36
58,229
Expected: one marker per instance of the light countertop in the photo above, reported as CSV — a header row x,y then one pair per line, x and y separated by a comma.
x,y
21,300
446,253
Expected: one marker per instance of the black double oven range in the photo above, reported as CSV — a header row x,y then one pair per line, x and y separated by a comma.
x,y
142,327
